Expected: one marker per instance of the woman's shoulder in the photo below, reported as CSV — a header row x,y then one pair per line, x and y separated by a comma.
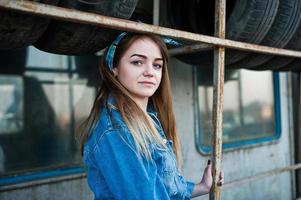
x,y
109,122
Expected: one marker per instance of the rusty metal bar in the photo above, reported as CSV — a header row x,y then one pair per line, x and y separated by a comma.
x,y
262,175
114,23
218,97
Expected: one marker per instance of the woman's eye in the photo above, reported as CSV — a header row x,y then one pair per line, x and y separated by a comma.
x,y
137,62
157,66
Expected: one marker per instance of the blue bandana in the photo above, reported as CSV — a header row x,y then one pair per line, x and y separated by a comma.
x,y
112,49
172,42
113,46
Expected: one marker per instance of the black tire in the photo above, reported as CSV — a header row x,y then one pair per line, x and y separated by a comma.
x,y
249,22
294,66
280,63
20,30
174,14
143,16
246,21
205,75
78,39
283,29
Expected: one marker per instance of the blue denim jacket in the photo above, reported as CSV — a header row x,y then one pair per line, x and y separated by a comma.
x,y
115,170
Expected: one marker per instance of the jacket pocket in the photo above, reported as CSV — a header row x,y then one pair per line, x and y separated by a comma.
x,y
164,159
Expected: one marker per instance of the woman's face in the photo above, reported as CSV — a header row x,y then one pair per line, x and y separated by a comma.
x,y
140,68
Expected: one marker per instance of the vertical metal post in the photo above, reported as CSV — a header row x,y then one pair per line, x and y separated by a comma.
x,y
297,138
240,103
218,100
156,10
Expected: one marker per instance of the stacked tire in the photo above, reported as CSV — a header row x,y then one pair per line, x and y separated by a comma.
x,y
17,31
274,23
78,39
20,30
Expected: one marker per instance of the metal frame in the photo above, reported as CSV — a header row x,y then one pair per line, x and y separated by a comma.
x,y
219,43
127,25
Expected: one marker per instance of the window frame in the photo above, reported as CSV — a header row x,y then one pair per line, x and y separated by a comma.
x,y
26,177
37,176
203,149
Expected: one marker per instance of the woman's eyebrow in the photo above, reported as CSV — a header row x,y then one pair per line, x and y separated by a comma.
x,y
139,55
143,56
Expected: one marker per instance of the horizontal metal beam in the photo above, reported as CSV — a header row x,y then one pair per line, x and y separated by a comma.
x,y
126,25
263,175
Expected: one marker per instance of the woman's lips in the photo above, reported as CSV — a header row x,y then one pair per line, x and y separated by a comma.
x,y
147,83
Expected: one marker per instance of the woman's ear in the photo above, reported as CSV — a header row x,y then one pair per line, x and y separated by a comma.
x,y
115,71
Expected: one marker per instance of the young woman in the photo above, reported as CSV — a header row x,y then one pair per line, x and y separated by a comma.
x,y
130,146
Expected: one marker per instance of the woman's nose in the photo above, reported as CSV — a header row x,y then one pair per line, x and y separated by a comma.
x,y
148,71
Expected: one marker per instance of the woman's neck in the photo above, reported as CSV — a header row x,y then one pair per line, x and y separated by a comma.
x,y
141,102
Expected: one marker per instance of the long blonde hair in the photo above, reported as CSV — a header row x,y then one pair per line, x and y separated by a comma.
x,y
139,123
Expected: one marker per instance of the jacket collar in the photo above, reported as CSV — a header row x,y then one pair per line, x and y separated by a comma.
x,y
111,101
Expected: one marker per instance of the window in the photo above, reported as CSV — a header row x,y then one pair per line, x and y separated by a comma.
x,y
43,99
251,108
